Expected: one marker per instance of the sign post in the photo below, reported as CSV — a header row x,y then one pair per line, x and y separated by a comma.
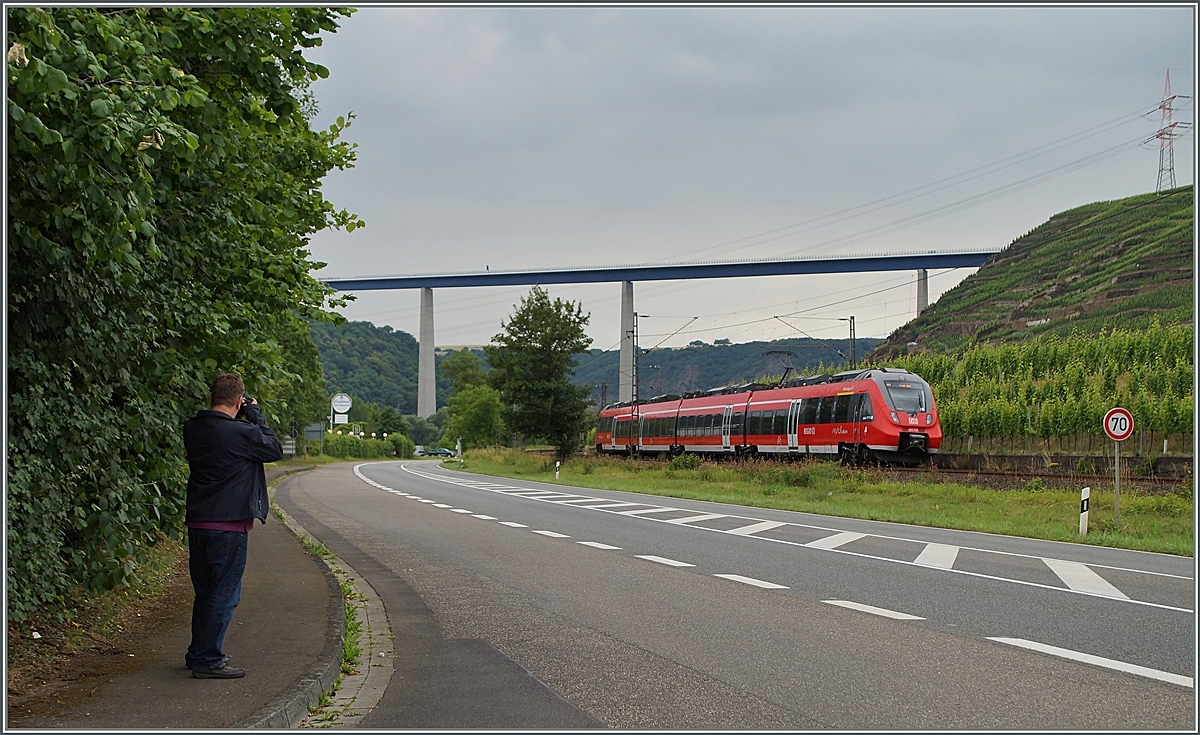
x,y
1083,510
1118,424
338,406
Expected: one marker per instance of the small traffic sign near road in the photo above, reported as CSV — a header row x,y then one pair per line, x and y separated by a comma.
x,y
1118,424
341,403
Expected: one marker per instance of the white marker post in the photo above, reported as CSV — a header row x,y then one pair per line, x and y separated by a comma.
x,y
1083,511
1118,424
556,464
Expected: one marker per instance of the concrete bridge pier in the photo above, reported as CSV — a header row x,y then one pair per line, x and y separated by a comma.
x,y
922,290
426,390
627,345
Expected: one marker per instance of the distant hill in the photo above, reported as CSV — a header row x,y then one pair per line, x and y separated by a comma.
x,y
703,366
1114,264
372,363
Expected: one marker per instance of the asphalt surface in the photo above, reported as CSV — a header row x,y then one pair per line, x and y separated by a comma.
x,y
280,633
530,605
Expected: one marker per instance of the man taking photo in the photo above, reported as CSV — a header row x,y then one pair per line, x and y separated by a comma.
x,y
227,489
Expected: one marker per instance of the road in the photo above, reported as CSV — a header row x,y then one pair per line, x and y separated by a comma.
x,y
521,604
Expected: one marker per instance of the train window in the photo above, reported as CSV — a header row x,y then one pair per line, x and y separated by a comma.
x,y
864,412
808,413
907,396
841,408
735,424
825,410
754,422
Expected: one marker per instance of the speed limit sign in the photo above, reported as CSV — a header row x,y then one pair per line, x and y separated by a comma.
x,y
1118,424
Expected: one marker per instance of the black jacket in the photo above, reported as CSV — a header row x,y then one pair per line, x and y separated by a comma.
x,y
226,456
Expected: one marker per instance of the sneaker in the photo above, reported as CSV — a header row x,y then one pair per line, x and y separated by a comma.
x,y
221,672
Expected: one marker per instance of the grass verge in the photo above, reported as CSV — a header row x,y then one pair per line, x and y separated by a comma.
x,y
1149,521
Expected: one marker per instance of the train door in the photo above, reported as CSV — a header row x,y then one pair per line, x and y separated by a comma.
x,y
793,422
725,421
856,417
612,432
641,424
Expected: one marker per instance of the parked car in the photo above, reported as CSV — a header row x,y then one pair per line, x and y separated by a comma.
x,y
440,452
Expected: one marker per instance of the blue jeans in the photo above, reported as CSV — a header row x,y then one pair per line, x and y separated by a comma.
x,y
217,561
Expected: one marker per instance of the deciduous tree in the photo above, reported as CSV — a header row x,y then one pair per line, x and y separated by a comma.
x,y
531,365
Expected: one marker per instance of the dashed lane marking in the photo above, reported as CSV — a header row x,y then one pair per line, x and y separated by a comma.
x,y
941,556
552,534
460,510
697,519
872,609
613,505
645,511
752,581
511,524
1087,658
483,517
836,540
754,528
598,545
427,501
663,560
1081,579
442,505
935,556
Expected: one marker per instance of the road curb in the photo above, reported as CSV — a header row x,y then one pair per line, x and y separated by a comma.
x,y
291,707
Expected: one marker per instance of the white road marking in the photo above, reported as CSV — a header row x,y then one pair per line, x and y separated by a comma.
x,y
429,501
1078,577
752,581
598,545
531,493
614,505
941,556
695,519
645,511
668,562
552,534
754,528
1108,663
397,492
442,505
836,540
873,610
760,526
483,517
580,500
513,524
460,510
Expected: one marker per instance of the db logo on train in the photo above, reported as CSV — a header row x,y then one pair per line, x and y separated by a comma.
x,y
1118,424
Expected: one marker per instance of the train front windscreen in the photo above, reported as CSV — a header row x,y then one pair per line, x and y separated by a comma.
x,y
909,396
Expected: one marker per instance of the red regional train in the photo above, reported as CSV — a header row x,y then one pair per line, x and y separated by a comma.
x,y
882,414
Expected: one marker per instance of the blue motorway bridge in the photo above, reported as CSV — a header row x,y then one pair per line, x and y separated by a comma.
x,y
626,275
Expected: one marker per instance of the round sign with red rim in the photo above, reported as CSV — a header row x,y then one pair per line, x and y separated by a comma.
x,y
1118,424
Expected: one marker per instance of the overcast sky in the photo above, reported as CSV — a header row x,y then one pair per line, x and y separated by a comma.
x,y
534,137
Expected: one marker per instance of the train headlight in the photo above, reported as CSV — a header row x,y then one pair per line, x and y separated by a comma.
x,y
929,419
895,419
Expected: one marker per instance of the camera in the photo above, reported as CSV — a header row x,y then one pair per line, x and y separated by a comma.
x,y
247,400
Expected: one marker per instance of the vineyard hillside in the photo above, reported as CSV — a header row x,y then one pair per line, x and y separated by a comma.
x,y
1117,264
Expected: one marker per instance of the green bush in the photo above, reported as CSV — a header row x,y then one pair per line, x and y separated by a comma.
x,y
685,462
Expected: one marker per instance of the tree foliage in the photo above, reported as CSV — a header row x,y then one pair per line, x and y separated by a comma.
x,y
476,416
532,361
163,181
377,364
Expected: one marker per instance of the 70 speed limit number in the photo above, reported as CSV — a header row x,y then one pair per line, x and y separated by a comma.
x,y
1118,424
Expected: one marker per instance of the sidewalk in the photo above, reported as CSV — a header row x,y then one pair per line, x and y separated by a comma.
x,y
286,633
